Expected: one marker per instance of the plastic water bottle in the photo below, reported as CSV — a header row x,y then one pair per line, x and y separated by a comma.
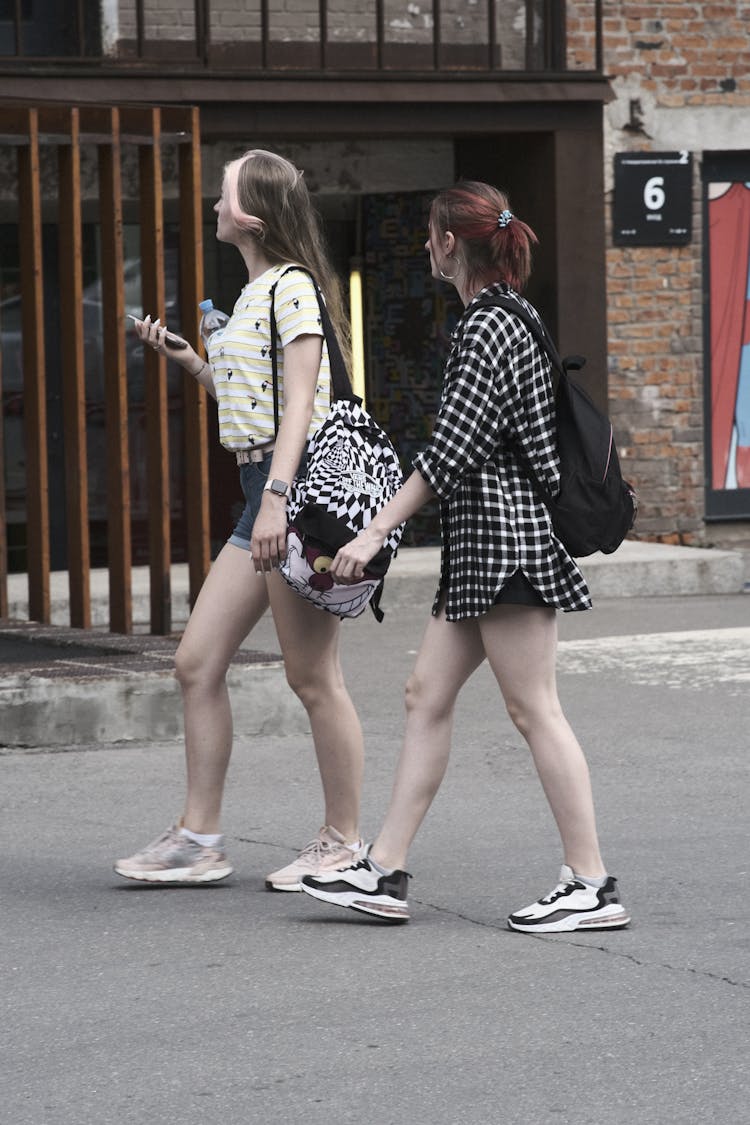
x,y
211,320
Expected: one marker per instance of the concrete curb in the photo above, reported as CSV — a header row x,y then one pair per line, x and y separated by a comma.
x,y
145,707
635,570
661,570
54,710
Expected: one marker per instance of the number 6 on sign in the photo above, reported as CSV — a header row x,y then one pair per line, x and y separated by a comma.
x,y
653,193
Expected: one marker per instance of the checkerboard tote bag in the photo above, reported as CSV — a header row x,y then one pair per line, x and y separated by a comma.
x,y
352,472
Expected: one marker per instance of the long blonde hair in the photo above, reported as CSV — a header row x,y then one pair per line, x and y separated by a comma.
x,y
268,199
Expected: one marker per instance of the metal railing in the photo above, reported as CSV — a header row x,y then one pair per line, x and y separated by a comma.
x,y
322,44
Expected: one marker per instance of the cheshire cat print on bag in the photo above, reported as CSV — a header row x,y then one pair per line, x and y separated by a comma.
x,y
352,472
306,569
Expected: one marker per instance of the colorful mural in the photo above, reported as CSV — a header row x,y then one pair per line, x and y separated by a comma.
x,y
729,295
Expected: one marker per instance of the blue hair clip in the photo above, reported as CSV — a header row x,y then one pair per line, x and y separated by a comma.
x,y
504,218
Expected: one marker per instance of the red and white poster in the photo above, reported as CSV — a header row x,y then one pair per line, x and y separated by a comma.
x,y
729,316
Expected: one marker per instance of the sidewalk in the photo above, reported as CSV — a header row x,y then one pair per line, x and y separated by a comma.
x,y
134,1005
67,687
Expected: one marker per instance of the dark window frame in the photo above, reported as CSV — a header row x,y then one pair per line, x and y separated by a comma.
x,y
545,51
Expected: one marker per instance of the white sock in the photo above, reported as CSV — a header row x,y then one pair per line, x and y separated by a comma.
x,y
590,881
196,837
379,867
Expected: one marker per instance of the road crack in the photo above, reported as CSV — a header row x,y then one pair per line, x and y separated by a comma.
x,y
501,927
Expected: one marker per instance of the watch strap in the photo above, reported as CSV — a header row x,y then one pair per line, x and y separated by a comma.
x,y
278,487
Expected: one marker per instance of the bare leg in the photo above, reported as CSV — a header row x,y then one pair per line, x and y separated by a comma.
x,y
232,600
309,640
450,652
521,646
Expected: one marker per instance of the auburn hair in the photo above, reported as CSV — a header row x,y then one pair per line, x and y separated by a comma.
x,y
471,210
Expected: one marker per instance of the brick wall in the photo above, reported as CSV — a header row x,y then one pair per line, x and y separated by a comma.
x,y
581,32
679,71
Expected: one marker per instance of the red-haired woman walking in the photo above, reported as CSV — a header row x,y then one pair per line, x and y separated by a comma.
x,y
503,575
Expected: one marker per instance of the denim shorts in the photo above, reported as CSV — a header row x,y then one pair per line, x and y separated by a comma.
x,y
253,478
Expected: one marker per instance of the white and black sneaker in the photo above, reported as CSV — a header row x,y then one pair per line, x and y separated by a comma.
x,y
363,888
573,905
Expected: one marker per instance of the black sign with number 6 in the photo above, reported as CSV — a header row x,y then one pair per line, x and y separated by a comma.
x,y
653,199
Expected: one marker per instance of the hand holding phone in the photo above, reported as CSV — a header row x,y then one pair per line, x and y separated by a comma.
x,y
170,339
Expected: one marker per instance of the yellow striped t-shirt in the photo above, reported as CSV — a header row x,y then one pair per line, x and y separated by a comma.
x,y
240,355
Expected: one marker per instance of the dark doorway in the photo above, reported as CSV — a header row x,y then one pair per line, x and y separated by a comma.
x,y
522,165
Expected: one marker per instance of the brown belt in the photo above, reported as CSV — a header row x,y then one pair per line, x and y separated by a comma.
x,y
257,453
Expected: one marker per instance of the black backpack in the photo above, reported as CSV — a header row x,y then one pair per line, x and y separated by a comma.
x,y
595,507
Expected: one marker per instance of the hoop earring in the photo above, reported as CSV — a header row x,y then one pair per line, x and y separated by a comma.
x,y
451,276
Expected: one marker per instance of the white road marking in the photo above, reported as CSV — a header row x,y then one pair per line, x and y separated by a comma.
x,y
695,658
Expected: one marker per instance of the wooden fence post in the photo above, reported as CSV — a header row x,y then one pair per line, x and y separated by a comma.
x,y
34,380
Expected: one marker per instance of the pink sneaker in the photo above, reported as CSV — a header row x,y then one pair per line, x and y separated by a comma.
x,y
173,859
327,852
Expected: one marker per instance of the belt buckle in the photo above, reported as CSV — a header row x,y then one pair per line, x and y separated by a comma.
x,y
254,454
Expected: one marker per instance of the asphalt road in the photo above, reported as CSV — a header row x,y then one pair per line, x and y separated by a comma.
x,y
231,1005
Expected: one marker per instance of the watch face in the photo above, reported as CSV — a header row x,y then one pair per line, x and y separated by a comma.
x,y
278,487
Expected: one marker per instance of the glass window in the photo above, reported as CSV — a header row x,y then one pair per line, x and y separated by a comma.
x,y
48,29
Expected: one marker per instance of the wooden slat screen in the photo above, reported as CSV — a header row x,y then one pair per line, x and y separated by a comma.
x,y
109,128
34,383
154,300
119,538
3,532
73,373
194,396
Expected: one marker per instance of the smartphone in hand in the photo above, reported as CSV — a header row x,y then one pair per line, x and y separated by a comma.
x,y
173,341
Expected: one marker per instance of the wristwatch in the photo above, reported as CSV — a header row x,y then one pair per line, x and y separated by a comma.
x,y
278,487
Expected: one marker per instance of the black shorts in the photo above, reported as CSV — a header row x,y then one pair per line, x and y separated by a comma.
x,y
519,591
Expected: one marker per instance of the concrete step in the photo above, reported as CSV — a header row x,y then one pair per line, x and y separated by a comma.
x,y
62,687
635,570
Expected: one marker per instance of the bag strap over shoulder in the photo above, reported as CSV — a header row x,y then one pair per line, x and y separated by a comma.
x,y
341,387
538,330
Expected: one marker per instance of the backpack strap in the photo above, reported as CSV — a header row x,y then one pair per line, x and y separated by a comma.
x,y
341,387
538,330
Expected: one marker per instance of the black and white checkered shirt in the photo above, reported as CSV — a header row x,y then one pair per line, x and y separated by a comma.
x,y
497,396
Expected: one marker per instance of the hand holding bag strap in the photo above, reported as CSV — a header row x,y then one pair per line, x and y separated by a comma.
x,y
340,385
